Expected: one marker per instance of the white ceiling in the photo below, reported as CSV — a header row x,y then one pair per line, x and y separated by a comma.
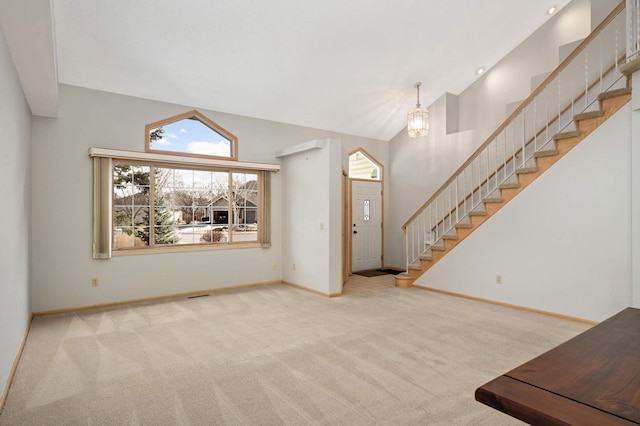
x,y
347,66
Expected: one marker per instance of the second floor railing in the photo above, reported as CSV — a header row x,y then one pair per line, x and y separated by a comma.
x,y
572,88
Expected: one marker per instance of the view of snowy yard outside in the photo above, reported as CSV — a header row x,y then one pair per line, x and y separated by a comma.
x,y
189,206
192,234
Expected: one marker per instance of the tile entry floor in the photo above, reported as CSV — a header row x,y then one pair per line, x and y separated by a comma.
x,y
358,283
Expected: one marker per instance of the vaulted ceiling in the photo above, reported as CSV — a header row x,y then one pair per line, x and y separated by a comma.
x,y
347,66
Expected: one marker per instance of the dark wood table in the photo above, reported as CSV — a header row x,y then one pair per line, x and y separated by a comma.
x,y
593,379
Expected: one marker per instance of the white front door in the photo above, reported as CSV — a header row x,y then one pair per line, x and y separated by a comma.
x,y
366,229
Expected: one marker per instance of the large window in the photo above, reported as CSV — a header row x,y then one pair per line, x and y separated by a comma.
x,y
188,191
156,206
147,203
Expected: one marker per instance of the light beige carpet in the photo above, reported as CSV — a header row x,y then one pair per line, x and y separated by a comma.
x,y
276,355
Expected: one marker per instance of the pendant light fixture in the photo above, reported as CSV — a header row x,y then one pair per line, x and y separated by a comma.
x,y
418,119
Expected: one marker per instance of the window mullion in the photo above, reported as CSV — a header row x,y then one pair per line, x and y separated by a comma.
x,y
231,209
238,190
152,206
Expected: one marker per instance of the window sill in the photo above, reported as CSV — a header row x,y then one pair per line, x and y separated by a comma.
x,y
184,249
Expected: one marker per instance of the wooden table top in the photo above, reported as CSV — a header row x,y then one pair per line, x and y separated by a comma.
x,y
593,378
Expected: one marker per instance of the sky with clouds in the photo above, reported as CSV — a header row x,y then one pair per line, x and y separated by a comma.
x,y
193,137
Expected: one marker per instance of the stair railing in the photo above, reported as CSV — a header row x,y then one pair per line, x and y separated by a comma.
x,y
572,88
633,29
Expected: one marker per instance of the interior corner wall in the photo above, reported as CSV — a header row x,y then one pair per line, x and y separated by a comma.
x,y
563,245
418,167
62,203
311,188
338,160
15,172
635,192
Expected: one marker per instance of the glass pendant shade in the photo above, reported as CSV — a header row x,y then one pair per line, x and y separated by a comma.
x,y
418,122
418,119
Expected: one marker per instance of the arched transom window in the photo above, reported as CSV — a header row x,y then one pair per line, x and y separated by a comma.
x,y
191,134
361,166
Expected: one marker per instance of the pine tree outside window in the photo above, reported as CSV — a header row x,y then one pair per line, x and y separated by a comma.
x,y
155,206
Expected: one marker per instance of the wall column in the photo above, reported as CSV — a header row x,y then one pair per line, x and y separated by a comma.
x,y
632,70
635,189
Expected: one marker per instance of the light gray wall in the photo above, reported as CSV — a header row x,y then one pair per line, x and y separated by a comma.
x,y
600,9
15,168
483,105
562,245
311,188
305,189
635,192
418,167
62,203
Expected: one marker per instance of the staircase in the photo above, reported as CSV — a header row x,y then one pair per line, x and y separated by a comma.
x,y
587,122
572,102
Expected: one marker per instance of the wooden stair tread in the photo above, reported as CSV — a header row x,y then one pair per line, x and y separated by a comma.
x,y
425,257
415,266
477,213
439,247
404,280
614,93
566,135
587,115
524,170
492,200
509,185
545,153
450,237
462,225
630,67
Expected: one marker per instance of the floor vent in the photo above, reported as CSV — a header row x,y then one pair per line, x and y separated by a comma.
x,y
197,295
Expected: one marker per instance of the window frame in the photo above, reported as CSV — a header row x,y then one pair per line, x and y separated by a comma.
x,y
233,140
104,160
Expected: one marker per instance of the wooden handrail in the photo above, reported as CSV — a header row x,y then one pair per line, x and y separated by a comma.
x,y
520,108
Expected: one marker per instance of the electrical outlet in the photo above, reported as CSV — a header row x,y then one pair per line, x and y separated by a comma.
x,y
95,282
274,267
294,266
498,279
322,226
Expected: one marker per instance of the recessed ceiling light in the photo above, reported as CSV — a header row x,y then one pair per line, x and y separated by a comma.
x,y
480,70
552,10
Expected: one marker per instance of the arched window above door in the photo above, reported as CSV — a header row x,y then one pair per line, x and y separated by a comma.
x,y
363,166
